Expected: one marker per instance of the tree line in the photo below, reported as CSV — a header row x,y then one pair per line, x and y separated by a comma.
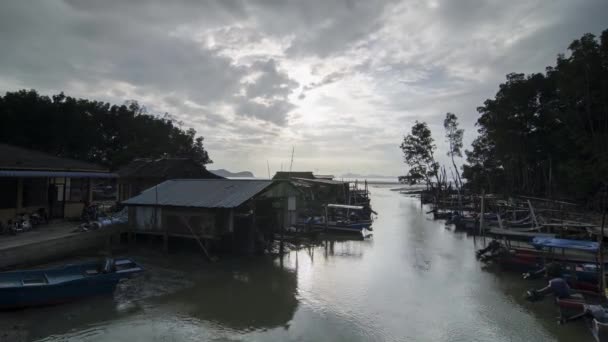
x,y
543,133
94,131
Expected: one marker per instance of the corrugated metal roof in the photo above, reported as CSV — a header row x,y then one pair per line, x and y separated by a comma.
x,y
321,181
71,174
200,193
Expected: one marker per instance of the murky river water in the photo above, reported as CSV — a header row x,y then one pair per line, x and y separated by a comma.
x,y
413,280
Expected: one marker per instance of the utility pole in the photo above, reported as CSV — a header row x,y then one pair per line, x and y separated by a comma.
x,y
293,148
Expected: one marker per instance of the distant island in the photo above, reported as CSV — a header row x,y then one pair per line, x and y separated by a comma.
x,y
356,175
228,174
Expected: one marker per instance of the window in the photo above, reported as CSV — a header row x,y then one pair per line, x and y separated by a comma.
x,y
35,191
78,190
8,193
104,190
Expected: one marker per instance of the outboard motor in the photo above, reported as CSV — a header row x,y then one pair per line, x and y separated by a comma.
x,y
492,247
108,266
557,287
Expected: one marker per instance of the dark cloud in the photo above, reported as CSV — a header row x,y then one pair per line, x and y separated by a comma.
x,y
82,42
232,68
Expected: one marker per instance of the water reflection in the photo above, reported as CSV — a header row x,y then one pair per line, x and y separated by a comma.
x,y
245,297
37,323
413,280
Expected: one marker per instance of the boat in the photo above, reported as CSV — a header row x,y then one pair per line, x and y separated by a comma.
x,y
348,226
28,288
572,256
594,315
342,218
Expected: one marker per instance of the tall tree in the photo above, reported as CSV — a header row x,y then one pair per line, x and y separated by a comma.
x,y
547,133
418,148
453,135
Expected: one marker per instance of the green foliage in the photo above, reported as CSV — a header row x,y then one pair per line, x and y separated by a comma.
x,y
453,135
418,148
94,131
547,133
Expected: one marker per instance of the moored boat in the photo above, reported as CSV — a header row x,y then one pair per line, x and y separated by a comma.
x,y
27,288
342,218
595,315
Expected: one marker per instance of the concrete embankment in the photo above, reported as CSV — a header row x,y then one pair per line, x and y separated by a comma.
x,y
52,242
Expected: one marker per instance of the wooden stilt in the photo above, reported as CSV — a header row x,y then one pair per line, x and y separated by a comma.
x,y
166,240
481,230
200,243
532,214
602,265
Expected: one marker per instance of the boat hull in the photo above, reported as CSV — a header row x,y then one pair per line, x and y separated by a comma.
x,y
20,289
15,298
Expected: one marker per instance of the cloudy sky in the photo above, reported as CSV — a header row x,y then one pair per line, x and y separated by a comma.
x,y
340,80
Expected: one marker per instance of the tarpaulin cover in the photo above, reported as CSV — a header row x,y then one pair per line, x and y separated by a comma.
x,y
589,246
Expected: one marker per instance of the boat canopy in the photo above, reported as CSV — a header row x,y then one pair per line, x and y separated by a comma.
x,y
589,246
519,233
344,206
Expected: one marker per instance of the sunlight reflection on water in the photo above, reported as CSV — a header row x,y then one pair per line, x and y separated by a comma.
x,y
413,280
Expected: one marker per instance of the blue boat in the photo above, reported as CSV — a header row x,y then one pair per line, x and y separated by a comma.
x,y
348,221
19,289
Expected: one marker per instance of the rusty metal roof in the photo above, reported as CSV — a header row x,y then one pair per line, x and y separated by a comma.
x,y
200,193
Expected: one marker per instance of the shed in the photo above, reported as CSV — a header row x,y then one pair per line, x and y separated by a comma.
x,y
239,212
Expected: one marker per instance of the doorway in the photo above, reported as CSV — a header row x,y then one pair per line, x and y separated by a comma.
x,y
56,197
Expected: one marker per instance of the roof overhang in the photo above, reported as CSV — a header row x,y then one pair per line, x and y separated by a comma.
x,y
71,174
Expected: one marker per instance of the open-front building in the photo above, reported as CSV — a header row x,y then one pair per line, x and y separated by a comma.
x,y
32,181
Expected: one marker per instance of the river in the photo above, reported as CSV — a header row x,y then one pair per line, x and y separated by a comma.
x,y
413,280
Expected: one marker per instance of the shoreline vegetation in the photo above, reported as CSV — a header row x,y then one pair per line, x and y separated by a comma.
x,y
95,131
543,135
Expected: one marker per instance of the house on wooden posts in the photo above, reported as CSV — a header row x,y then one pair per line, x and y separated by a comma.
x,y
144,173
32,181
287,175
316,190
229,214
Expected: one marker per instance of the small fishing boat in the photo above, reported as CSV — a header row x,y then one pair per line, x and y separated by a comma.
x,y
596,316
19,289
350,220
339,218
577,258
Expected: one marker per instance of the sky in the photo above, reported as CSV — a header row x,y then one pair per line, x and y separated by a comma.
x,y
340,82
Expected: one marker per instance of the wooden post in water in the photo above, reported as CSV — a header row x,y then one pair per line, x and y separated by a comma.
x,y
532,214
196,237
602,285
483,195
326,219
166,239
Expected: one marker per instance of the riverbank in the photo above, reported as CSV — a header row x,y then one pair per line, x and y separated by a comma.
x,y
54,241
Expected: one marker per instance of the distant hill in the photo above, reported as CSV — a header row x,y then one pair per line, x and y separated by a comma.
x,y
228,174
